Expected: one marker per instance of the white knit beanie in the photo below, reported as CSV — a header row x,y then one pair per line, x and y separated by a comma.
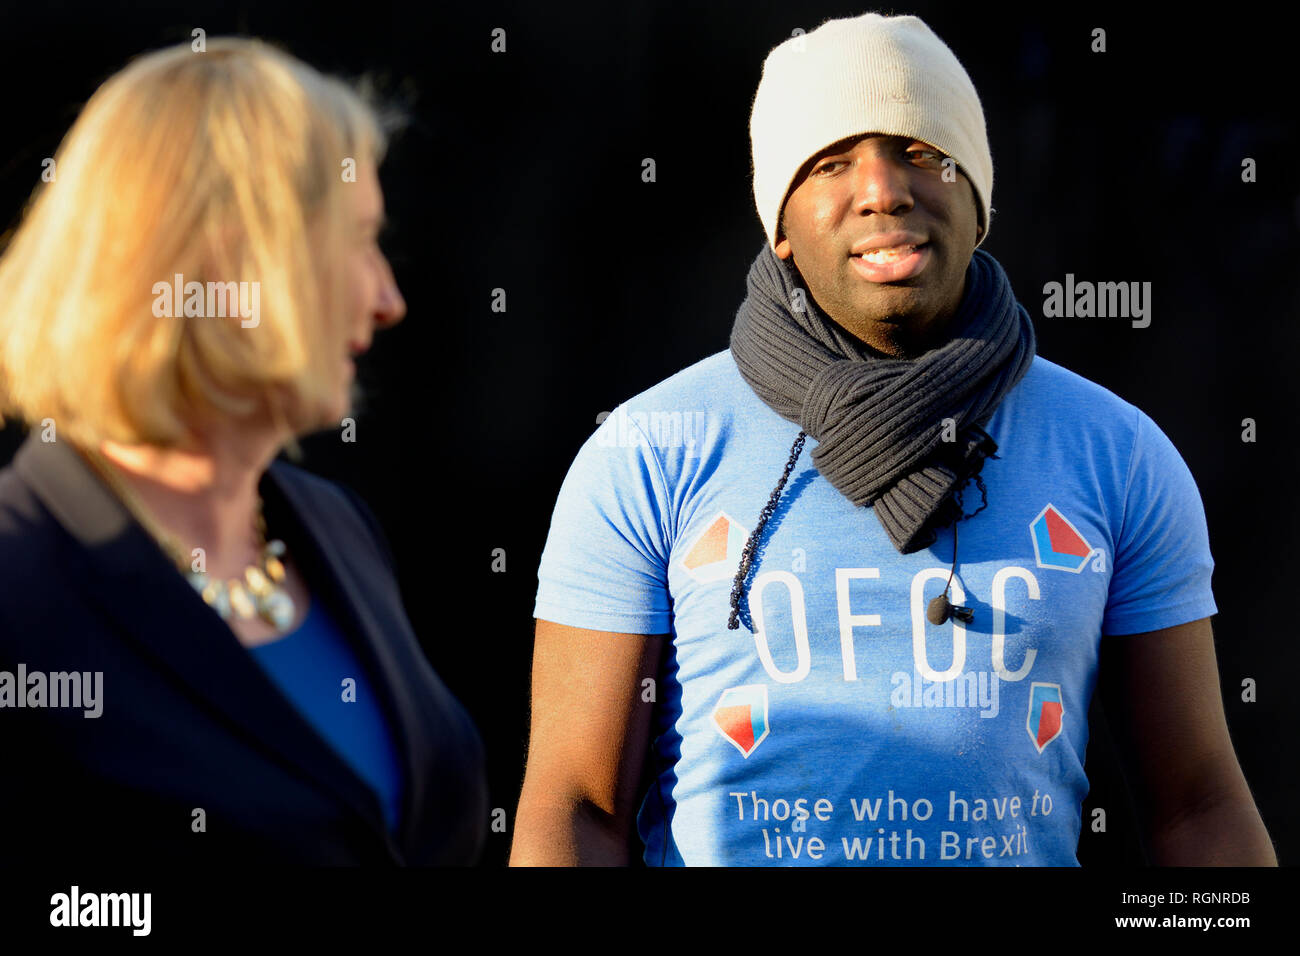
x,y
867,74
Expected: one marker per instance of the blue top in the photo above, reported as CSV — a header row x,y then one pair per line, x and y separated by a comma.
x,y
845,728
310,666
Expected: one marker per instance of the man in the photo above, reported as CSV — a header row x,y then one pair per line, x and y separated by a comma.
x,y
893,698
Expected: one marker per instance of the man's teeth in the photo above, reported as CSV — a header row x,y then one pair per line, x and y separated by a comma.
x,y
888,254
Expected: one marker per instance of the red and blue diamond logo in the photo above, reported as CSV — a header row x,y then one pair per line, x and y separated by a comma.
x,y
1046,713
741,717
1057,542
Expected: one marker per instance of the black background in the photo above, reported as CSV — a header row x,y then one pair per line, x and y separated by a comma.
x,y
522,171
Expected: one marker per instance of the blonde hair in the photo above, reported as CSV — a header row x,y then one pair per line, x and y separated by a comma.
x,y
224,166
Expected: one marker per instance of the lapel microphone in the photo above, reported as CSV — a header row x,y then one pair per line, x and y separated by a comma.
x,y
941,610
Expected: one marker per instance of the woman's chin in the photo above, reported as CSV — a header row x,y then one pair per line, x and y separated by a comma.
x,y
327,416
346,404
335,415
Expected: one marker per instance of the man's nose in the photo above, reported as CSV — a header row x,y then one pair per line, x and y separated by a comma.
x,y
880,184
391,307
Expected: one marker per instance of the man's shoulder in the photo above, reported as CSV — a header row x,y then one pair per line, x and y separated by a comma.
x,y
711,381
1049,376
687,420
1066,391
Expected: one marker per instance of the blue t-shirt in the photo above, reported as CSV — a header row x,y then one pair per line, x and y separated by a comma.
x,y
847,728
309,666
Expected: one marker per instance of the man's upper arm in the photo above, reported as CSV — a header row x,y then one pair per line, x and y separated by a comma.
x,y
1158,680
602,606
1160,692
591,720
603,612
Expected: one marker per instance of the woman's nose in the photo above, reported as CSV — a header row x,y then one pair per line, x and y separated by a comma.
x,y
392,307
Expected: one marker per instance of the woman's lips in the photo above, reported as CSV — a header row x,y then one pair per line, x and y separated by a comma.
x,y
892,264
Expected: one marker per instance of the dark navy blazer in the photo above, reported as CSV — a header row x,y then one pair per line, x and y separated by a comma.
x,y
189,719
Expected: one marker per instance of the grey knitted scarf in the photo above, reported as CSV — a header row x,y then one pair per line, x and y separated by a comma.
x,y
879,421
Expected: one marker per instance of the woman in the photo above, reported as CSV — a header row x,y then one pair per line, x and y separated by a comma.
x,y
203,652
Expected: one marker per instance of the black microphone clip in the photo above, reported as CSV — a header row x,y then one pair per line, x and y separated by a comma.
x,y
941,610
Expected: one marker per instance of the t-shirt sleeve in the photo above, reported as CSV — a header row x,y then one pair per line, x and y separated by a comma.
x,y
605,563
1162,564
